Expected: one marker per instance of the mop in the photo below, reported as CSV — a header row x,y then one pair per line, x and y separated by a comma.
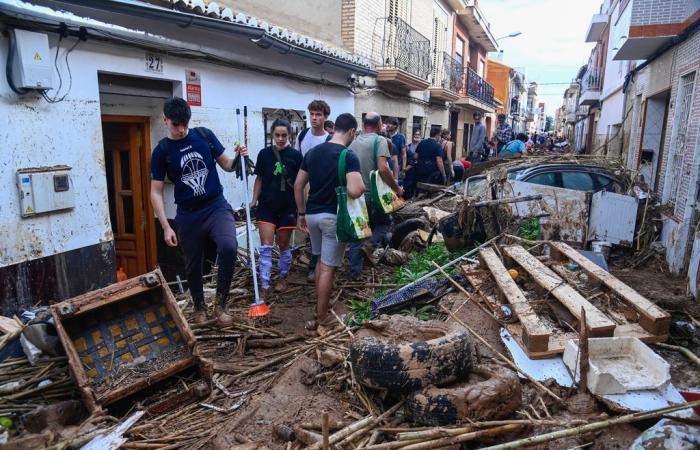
x,y
258,308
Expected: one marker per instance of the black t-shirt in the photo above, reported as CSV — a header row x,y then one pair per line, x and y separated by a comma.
x,y
270,173
192,167
321,163
427,150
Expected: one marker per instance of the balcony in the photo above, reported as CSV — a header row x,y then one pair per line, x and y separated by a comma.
x,y
476,93
596,27
447,78
591,85
636,37
403,56
477,26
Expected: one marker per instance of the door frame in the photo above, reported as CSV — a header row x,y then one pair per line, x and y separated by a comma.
x,y
145,179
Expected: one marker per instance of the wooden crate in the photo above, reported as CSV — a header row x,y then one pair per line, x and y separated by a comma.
x,y
537,339
123,338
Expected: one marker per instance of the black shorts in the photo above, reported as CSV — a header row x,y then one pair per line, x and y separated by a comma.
x,y
282,218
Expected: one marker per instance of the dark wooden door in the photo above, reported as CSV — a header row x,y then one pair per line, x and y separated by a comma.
x,y
128,184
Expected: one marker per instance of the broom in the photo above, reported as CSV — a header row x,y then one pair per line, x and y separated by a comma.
x,y
258,308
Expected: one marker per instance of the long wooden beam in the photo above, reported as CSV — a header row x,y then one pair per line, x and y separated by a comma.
x,y
535,334
651,317
599,324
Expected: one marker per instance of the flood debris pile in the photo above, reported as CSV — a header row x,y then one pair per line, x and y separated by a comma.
x,y
461,330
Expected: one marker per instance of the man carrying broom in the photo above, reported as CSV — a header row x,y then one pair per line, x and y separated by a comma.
x,y
189,157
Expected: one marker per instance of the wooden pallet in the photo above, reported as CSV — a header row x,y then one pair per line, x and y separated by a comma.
x,y
537,338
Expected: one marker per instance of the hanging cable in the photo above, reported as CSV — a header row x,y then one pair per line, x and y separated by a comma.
x,y
55,98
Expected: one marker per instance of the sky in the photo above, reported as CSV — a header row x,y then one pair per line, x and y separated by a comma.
x,y
551,47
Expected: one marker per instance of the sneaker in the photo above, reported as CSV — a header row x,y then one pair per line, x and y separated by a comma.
x,y
281,285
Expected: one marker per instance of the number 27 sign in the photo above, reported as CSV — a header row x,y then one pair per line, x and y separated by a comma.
x,y
154,63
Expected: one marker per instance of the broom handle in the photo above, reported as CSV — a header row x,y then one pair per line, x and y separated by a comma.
x,y
249,226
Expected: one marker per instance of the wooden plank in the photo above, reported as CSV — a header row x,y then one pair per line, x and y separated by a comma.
x,y
535,334
8,325
598,323
652,318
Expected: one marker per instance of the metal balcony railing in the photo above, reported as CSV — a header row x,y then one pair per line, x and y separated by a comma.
x,y
447,73
477,87
592,80
402,47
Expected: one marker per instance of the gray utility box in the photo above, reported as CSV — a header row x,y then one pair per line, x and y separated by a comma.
x,y
32,67
44,189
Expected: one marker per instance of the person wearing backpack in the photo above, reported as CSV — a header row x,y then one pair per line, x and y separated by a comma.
x,y
188,156
318,216
374,154
273,194
309,138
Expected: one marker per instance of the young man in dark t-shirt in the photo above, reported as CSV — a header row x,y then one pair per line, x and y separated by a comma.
x,y
430,167
276,169
189,158
317,216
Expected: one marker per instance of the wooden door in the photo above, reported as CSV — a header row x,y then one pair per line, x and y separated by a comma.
x,y
127,158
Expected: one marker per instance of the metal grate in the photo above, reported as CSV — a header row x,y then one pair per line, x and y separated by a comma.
x,y
685,97
403,47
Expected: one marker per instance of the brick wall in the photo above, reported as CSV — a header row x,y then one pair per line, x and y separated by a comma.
x,y
347,24
650,12
368,30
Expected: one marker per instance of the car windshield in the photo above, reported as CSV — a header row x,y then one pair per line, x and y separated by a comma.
x,y
477,187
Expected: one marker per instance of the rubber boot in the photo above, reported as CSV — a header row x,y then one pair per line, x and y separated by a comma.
x,y
223,319
200,314
311,276
284,264
265,266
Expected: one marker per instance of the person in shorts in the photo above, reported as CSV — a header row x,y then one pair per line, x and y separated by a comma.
x,y
273,193
318,215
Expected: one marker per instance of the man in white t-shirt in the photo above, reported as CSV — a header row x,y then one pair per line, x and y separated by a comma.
x,y
311,137
308,139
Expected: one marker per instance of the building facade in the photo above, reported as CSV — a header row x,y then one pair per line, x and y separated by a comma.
x,y
102,124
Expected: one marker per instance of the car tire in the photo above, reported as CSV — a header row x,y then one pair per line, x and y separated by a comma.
x,y
497,397
406,367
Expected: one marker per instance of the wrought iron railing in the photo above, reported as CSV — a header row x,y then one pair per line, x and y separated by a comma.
x,y
477,87
447,72
402,47
592,80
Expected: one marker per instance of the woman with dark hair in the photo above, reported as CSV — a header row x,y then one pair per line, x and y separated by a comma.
x,y
273,193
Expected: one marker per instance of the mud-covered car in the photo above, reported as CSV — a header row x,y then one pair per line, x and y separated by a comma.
x,y
579,177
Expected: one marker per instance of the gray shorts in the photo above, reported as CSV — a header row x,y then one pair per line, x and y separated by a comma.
x,y
323,239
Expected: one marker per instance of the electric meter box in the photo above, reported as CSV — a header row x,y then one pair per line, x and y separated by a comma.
x,y
32,63
44,189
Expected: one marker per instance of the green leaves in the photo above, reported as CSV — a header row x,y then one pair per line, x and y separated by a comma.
x,y
530,230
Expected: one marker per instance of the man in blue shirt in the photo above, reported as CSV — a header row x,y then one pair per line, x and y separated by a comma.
x,y
515,148
188,157
399,141
430,167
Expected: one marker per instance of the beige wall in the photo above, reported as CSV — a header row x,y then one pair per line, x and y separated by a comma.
x,y
318,19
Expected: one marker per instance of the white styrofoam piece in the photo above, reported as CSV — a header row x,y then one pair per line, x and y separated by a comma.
x,y
539,369
649,400
618,365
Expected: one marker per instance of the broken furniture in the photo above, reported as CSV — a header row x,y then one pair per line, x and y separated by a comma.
x,y
548,303
124,338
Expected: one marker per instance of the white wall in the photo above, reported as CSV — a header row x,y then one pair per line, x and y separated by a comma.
x,y
40,134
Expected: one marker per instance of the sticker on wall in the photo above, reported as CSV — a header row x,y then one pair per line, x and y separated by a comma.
x,y
194,88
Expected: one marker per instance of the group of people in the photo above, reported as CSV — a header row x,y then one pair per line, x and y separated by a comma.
x,y
295,188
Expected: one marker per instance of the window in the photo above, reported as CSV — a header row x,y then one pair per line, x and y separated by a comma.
x,y
459,52
578,181
439,40
546,179
482,67
684,103
398,8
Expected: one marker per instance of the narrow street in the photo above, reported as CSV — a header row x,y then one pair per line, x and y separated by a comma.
x,y
350,224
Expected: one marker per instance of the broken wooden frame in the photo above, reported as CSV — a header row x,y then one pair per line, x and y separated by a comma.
x,y
539,340
135,316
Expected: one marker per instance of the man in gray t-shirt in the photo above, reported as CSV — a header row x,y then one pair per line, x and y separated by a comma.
x,y
363,146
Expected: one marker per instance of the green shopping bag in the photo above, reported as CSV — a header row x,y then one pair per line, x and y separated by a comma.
x,y
353,221
382,198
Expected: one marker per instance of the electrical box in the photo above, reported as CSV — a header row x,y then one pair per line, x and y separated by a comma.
x,y
32,67
44,189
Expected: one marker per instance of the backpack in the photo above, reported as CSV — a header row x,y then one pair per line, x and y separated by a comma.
x,y
205,133
302,135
